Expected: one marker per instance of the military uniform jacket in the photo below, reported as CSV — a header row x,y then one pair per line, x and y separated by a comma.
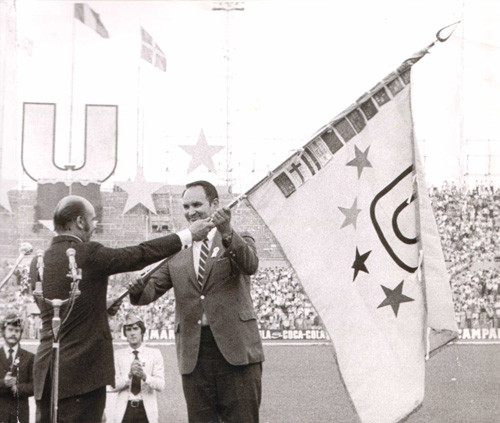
x,y
224,297
8,401
86,350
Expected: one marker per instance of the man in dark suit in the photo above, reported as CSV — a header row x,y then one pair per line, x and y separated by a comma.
x,y
16,374
219,350
86,350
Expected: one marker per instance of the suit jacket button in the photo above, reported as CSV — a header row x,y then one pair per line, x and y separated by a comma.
x,y
202,297
199,322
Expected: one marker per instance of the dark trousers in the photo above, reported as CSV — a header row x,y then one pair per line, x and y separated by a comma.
x,y
12,410
218,392
135,413
85,408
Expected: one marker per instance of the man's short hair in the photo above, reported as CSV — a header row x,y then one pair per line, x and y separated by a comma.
x,y
65,215
210,191
134,320
12,320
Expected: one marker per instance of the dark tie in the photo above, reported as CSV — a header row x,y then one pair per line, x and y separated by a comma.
x,y
136,380
203,261
10,358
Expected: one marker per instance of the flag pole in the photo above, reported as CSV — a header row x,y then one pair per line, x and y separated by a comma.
x,y
70,165
139,146
72,91
407,64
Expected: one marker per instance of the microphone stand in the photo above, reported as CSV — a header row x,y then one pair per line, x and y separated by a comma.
x,y
56,304
25,250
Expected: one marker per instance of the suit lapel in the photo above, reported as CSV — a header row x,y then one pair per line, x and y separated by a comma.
x,y
3,358
20,355
189,262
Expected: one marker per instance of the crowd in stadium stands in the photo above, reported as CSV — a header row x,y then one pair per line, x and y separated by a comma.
x,y
279,301
469,224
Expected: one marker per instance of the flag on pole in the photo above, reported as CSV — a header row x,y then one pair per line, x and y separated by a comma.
x,y
89,17
352,214
151,51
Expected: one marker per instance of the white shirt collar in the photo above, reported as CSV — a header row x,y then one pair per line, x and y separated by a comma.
x,y
6,348
140,349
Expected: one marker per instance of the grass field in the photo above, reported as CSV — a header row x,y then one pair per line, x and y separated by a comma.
x,y
301,385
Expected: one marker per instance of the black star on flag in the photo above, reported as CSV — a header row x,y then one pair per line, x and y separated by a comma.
x,y
394,297
359,263
375,136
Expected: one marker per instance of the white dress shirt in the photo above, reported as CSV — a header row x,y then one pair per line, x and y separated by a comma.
x,y
196,261
6,348
186,238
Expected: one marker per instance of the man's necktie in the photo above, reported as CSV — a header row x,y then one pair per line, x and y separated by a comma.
x,y
135,388
10,358
203,261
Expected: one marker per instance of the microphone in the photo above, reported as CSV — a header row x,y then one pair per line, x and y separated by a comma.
x,y
38,292
70,252
25,249
74,273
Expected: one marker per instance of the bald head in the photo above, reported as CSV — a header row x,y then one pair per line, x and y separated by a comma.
x,y
73,214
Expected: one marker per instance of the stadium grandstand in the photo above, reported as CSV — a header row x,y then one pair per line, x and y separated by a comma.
x,y
468,218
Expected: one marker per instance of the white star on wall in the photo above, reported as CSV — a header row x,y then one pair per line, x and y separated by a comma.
x,y
201,153
139,191
5,186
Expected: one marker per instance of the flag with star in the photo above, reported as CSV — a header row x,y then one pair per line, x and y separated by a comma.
x,y
352,214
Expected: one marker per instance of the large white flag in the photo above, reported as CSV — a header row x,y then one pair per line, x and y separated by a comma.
x,y
352,214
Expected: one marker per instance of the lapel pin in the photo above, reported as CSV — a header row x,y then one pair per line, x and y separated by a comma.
x,y
214,253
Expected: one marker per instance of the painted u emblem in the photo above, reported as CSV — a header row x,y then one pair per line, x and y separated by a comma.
x,y
38,152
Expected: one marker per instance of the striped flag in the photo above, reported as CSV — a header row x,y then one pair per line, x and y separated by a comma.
x,y
352,214
151,51
89,17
